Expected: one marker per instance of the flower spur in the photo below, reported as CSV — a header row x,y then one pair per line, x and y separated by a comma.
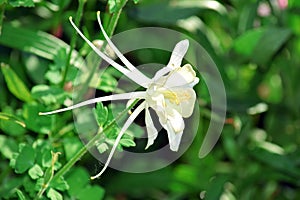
x,y
169,93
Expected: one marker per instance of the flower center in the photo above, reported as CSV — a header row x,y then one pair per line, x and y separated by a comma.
x,y
176,97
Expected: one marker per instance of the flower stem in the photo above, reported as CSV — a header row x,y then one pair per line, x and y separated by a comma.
x,y
73,40
98,138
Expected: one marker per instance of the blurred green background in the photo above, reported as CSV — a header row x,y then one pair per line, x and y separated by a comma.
x,y
256,47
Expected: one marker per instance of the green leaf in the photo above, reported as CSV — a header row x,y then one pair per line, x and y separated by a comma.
x,y
40,124
8,146
276,161
92,193
36,67
47,159
216,187
106,82
29,187
261,44
71,146
77,180
8,187
35,172
36,42
54,195
6,116
269,44
59,184
39,184
247,16
21,3
162,12
112,5
15,85
25,159
54,75
102,147
246,43
20,195
49,94
167,12
13,127
101,114
127,142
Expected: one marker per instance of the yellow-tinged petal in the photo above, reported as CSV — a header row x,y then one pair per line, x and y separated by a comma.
x,y
183,101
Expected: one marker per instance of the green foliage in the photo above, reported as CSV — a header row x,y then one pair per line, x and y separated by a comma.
x,y
80,188
21,3
15,84
256,51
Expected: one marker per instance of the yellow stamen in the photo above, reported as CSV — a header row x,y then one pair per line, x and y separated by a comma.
x,y
176,97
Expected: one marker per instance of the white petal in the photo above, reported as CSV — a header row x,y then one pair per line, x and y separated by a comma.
x,y
174,140
178,53
151,130
161,72
183,76
174,127
123,70
129,95
157,102
143,79
175,120
129,121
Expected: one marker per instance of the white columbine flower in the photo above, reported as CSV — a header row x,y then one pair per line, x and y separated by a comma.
x,y
169,93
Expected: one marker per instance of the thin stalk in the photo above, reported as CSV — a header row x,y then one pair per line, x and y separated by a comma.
x,y
2,10
114,18
73,40
97,138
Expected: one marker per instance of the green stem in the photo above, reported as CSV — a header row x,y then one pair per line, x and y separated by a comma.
x,y
109,30
73,40
98,138
114,18
2,10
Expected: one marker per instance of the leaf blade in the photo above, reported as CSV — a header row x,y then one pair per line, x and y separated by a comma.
x,y
15,85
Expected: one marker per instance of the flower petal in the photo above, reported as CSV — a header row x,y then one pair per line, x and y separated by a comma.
x,y
174,139
174,126
129,95
178,53
183,76
175,120
184,102
129,121
123,70
143,79
157,102
101,54
151,130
